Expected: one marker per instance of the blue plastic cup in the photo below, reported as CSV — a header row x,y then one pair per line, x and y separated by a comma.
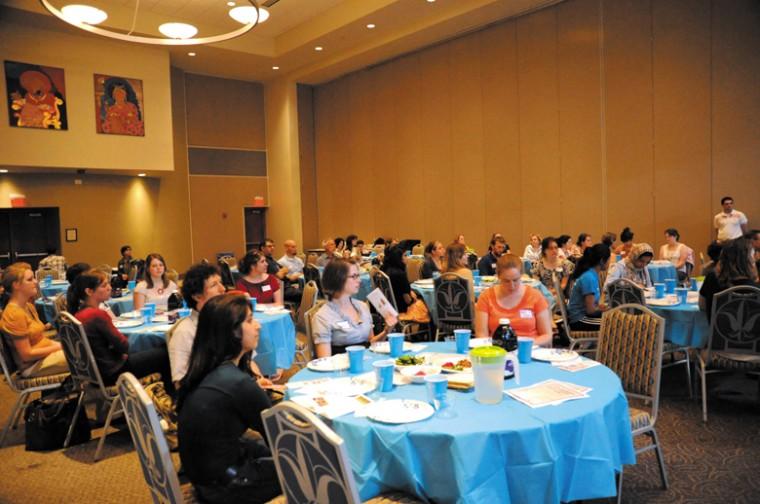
x,y
659,290
524,349
131,285
476,281
384,374
475,273
152,307
670,286
253,305
694,284
682,292
147,314
396,343
184,312
618,258
355,359
437,386
48,280
462,338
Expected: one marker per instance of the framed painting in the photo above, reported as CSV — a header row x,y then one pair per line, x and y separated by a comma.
x,y
119,106
36,96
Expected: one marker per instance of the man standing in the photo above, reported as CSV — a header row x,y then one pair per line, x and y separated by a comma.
x,y
487,263
730,223
125,265
293,265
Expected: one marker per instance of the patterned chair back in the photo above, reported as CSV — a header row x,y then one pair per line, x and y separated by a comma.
x,y
42,273
308,321
623,291
472,261
381,281
60,303
171,274
418,250
630,344
136,270
414,269
735,321
84,370
311,460
227,279
311,274
8,360
308,300
149,441
453,301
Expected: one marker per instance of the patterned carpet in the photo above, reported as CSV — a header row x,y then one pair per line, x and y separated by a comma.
x,y
713,463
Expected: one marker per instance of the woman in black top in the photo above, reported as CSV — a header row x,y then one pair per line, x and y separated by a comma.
x,y
735,267
434,254
395,268
219,402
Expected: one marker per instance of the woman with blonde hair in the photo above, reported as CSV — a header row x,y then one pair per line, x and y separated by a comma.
x,y
533,249
34,353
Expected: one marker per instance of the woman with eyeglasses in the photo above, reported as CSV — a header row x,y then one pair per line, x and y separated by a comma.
x,y
343,321
525,307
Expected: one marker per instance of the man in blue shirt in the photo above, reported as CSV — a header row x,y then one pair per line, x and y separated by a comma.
x,y
487,263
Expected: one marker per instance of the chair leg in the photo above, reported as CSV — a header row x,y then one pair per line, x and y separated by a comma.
x,y
688,374
437,334
660,459
11,418
74,419
704,391
111,410
620,486
20,411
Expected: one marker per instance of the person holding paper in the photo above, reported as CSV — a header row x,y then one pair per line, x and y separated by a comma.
x,y
343,321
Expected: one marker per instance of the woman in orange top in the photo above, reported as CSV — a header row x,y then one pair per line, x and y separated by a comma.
x,y
34,354
525,307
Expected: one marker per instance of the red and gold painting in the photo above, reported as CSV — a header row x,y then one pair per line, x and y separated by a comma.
x,y
119,106
36,96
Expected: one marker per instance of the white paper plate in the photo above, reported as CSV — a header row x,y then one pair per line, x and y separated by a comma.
x,y
161,318
161,328
411,372
124,324
425,282
383,347
441,359
135,314
59,282
553,354
328,364
479,342
665,301
400,411
270,309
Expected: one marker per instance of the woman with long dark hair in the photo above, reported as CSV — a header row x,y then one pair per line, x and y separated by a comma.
x,y
434,259
218,402
395,267
735,267
551,265
584,310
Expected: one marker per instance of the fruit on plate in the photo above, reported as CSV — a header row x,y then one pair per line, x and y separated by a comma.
x,y
457,366
409,360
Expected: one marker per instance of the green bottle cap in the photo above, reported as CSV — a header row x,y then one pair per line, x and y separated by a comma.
x,y
488,354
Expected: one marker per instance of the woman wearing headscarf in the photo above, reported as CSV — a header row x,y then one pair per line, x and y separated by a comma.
x,y
633,267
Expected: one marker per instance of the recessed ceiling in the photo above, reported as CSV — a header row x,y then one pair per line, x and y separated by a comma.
x,y
287,39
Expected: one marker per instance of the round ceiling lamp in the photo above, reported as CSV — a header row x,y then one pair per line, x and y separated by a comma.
x,y
86,17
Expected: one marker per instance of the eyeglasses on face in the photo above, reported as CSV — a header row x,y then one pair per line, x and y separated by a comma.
x,y
355,276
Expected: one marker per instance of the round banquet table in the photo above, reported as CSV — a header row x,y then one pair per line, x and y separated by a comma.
x,y
428,295
277,340
55,288
46,309
685,324
508,452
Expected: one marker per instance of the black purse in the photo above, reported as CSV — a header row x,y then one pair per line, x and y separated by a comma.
x,y
48,419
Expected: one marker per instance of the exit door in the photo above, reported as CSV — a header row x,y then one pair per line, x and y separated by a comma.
x,y
26,234
255,227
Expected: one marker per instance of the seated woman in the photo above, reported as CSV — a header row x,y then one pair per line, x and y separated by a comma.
x,y
218,402
456,261
395,267
434,254
735,267
255,280
343,321
678,254
533,249
550,265
156,288
34,353
584,241
460,240
713,252
584,310
109,346
626,237
565,247
525,307
633,267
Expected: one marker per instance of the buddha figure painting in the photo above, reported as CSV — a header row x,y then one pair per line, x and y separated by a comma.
x,y
119,106
36,96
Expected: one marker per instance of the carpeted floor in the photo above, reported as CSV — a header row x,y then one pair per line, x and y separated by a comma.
x,y
713,463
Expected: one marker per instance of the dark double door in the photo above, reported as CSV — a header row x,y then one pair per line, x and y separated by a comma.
x,y
26,234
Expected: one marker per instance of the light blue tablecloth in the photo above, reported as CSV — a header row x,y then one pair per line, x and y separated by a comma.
x,y
505,453
428,295
661,272
685,324
277,340
54,289
118,305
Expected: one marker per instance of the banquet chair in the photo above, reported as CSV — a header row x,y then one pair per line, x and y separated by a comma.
x,y
311,274
105,268
414,269
583,342
24,387
227,280
381,281
418,250
308,319
630,344
623,291
311,459
734,341
453,302
172,275
308,301
42,273
86,375
150,443
472,261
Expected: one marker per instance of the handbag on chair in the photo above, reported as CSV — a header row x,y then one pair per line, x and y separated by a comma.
x,y
48,419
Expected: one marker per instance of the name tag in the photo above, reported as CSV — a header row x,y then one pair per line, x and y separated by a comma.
x,y
342,325
493,266
526,313
266,288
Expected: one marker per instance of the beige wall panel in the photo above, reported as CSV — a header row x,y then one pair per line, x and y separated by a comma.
x,y
407,92
436,173
580,116
539,124
328,106
736,106
467,141
225,113
682,120
218,224
360,141
307,166
628,75
501,134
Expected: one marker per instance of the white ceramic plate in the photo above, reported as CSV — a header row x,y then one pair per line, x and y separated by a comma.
x,y
413,372
161,328
441,359
124,324
59,282
553,354
327,364
479,342
425,281
135,314
161,318
665,301
400,411
383,347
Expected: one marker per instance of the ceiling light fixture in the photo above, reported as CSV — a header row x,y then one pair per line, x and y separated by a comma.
x,y
318,48
3,171
275,67
86,17
191,54
140,174
371,26
231,4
